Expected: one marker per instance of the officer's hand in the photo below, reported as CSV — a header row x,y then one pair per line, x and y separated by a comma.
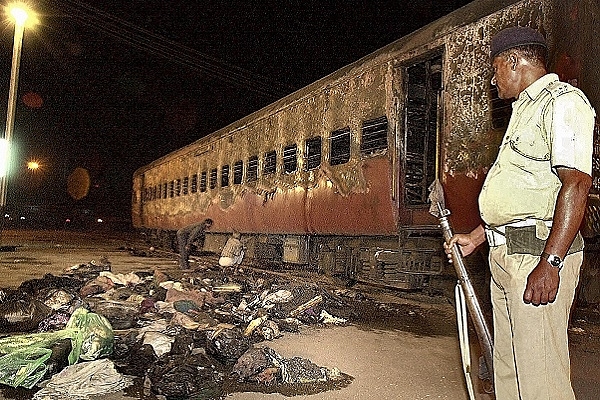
x,y
542,284
465,244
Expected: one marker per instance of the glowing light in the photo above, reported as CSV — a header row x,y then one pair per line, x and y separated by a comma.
x,y
33,165
21,14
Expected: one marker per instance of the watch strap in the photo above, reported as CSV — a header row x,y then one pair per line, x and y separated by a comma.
x,y
552,259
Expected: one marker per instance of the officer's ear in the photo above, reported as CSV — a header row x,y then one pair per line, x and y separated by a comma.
x,y
513,60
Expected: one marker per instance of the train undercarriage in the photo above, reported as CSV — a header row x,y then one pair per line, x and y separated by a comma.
x,y
409,261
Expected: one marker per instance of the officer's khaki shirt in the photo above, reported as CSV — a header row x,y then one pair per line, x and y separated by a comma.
x,y
551,126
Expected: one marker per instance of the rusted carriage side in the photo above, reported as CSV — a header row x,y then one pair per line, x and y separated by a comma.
x,y
335,176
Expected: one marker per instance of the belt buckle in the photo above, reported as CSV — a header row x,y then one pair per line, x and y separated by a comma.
x,y
489,234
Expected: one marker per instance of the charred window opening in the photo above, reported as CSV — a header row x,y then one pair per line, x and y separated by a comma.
x,y
172,189
238,170
252,173
313,152
501,110
290,158
270,163
185,185
340,147
164,193
225,176
213,178
374,137
424,84
194,184
203,181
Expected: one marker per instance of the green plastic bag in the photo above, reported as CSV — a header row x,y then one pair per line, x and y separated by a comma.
x,y
23,357
24,367
93,336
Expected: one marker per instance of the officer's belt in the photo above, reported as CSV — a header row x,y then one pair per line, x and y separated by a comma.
x,y
521,238
496,236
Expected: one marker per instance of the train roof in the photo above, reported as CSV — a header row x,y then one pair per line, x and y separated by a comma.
x,y
441,27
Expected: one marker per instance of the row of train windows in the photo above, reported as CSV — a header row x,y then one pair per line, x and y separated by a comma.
x,y
374,139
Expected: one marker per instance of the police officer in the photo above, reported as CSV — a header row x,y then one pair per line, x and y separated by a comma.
x,y
532,204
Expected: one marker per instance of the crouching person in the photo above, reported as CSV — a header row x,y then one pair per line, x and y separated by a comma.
x,y
233,251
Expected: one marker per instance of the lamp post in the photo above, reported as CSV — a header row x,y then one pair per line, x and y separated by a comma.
x,y
19,14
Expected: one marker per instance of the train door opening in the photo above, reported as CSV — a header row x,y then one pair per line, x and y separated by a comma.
x,y
423,85
418,257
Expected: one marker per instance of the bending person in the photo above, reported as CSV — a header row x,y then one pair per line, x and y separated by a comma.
x,y
186,236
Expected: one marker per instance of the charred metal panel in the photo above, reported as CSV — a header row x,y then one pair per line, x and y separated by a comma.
x,y
471,143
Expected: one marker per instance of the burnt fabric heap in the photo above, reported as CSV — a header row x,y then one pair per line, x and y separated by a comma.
x,y
97,332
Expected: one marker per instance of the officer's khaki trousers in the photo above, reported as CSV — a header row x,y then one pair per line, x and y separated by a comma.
x,y
531,353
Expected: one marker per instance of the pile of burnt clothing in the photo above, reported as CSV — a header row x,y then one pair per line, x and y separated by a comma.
x,y
183,338
195,331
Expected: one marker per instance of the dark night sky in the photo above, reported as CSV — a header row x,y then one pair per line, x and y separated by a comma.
x,y
123,84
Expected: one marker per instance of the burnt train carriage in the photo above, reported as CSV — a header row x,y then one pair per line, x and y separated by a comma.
x,y
335,176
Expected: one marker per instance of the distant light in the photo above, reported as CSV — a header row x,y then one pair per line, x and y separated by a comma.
x,y
6,215
67,220
100,220
21,14
22,217
3,157
33,165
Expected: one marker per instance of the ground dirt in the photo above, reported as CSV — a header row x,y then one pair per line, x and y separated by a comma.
x,y
396,346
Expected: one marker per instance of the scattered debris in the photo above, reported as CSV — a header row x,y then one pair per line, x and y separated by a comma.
x,y
183,337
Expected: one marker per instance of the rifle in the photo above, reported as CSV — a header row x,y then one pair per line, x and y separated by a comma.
x,y
465,296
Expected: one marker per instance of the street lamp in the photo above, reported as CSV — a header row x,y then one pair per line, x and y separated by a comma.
x,y
20,14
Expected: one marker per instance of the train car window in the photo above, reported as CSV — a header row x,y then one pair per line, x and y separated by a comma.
x,y
185,185
225,176
374,136
424,84
213,178
164,190
238,170
172,189
339,147
313,152
252,173
194,184
203,181
178,187
270,165
290,158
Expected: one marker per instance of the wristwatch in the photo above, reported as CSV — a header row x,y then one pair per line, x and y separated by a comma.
x,y
553,260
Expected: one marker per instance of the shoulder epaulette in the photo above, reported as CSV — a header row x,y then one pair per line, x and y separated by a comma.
x,y
557,88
